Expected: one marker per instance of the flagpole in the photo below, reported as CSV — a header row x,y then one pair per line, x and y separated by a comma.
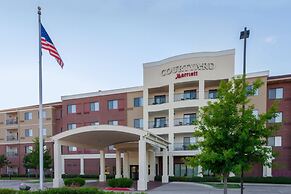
x,y
41,175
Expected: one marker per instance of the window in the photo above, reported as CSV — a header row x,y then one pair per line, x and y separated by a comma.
x,y
256,113
276,93
183,170
250,87
95,123
72,148
94,106
44,132
113,122
277,119
275,141
138,123
43,114
28,133
112,104
212,94
160,99
28,149
187,141
28,116
72,108
190,94
189,118
138,102
72,126
111,147
160,122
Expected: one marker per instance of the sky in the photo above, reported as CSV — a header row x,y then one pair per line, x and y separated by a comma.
x,y
104,43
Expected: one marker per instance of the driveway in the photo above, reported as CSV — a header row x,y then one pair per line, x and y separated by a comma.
x,y
195,188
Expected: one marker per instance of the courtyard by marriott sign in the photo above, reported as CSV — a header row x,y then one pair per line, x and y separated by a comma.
x,y
189,70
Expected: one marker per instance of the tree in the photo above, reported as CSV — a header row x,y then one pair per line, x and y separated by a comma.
x,y
3,162
230,136
31,160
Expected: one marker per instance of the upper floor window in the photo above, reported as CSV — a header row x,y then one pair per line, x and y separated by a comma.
x,y
160,122
160,99
28,133
28,116
276,93
72,148
188,119
94,106
43,114
44,132
275,141
72,126
277,119
113,122
212,94
138,123
250,87
95,123
28,149
72,108
190,94
112,104
138,102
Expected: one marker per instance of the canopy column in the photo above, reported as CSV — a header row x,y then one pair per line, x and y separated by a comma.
x,y
165,176
57,181
118,164
142,176
102,176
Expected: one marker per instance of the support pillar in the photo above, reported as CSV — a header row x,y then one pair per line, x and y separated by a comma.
x,y
57,181
102,176
165,176
201,89
142,176
126,165
63,166
152,165
118,164
82,166
171,157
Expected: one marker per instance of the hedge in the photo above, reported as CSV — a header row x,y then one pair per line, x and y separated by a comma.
x,y
120,182
70,182
271,180
85,176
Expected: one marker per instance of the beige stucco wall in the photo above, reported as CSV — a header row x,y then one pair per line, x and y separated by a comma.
x,y
260,101
133,112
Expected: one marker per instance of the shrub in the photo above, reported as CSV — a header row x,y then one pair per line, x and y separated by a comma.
x,y
74,182
120,182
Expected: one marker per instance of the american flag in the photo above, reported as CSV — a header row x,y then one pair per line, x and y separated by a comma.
x,y
47,44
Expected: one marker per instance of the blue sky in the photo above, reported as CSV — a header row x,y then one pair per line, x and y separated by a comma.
x,y
103,43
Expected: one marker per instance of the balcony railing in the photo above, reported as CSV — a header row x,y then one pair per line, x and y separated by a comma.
x,y
181,146
11,154
155,101
211,95
11,138
184,121
183,96
160,124
11,121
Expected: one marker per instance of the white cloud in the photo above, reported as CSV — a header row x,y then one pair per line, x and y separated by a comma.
x,y
270,40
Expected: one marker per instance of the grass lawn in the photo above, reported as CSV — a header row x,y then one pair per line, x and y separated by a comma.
x,y
220,185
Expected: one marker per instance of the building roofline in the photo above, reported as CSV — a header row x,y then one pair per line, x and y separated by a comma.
x,y
22,108
190,55
279,78
102,93
255,74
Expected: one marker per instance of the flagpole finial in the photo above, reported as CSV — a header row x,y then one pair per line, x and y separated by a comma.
x,y
39,10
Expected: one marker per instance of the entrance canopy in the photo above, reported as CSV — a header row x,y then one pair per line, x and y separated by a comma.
x,y
101,136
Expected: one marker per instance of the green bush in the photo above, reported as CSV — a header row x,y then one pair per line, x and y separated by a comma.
x,y
74,182
120,182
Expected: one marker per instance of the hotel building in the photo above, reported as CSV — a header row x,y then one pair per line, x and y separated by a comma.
x,y
164,107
